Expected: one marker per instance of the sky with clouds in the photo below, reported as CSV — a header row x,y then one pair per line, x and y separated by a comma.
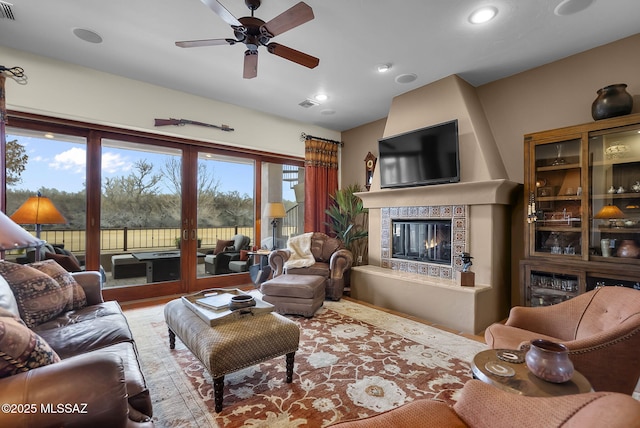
x,y
61,165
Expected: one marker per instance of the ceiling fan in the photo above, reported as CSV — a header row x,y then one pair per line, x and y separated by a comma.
x,y
254,32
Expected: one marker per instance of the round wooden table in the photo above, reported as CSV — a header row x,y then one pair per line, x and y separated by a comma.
x,y
502,368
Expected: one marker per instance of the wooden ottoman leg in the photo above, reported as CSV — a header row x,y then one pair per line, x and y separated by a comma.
x,y
218,388
290,357
172,339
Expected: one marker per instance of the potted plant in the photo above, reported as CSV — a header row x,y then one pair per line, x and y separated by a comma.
x,y
349,221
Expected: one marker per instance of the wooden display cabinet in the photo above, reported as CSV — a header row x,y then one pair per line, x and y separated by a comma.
x,y
582,221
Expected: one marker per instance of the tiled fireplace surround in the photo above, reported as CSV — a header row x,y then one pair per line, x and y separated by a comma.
x,y
458,216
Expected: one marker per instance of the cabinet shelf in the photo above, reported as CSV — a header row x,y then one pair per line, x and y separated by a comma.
x,y
558,167
564,198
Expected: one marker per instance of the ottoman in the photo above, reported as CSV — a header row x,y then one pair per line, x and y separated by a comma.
x,y
242,341
295,294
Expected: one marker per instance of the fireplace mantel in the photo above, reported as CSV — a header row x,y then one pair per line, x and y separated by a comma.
x,y
490,192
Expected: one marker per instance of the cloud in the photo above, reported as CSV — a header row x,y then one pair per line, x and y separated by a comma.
x,y
114,162
74,160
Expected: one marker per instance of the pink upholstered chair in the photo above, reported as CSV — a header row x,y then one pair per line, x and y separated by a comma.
x,y
601,328
484,406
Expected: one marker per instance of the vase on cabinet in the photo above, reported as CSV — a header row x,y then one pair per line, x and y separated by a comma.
x,y
628,248
612,101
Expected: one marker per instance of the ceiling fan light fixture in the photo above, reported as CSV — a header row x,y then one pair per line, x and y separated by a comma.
x,y
483,15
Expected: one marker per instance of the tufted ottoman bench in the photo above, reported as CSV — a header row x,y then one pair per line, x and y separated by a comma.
x,y
242,341
295,294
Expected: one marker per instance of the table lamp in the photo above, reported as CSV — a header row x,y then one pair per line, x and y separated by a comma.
x,y
13,237
38,210
611,213
274,211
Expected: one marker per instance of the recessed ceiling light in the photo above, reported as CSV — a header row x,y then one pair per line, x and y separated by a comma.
x,y
482,15
406,78
383,68
569,7
49,135
87,35
321,97
327,112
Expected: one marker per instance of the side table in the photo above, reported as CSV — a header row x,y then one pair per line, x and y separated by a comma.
x,y
506,369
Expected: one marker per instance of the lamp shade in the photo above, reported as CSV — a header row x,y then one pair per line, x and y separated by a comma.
x,y
38,210
608,212
13,237
275,210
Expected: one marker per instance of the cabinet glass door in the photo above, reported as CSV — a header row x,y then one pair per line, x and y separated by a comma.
x,y
558,199
614,180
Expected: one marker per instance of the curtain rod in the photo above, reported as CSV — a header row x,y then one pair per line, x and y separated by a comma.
x,y
304,137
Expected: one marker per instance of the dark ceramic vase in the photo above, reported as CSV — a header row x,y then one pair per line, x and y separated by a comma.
x,y
629,249
549,361
612,101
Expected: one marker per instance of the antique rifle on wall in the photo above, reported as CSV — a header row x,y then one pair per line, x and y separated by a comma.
x,y
182,122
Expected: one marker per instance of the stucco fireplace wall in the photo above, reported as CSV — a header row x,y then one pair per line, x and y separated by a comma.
x,y
486,196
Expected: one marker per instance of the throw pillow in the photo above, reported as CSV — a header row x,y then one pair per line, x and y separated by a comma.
x,y
39,297
20,348
221,245
7,300
74,293
67,262
244,255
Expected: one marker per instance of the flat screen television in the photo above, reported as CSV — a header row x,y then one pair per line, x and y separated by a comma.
x,y
417,158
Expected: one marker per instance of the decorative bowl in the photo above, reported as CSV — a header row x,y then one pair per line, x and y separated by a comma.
x,y
241,301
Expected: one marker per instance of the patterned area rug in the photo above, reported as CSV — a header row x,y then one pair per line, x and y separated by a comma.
x,y
354,361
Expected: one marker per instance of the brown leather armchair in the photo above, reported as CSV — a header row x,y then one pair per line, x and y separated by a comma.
x,y
332,261
484,406
601,328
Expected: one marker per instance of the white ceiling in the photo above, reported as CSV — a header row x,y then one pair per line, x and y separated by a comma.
x,y
431,38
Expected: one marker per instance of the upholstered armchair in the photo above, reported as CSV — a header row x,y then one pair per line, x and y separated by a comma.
x,y
601,328
226,251
332,260
484,406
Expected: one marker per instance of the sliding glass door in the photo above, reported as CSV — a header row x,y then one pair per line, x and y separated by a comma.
x,y
46,189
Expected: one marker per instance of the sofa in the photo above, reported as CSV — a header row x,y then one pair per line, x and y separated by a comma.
x,y
484,406
331,260
68,357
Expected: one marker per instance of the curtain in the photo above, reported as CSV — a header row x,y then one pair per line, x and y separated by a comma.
x,y
321,181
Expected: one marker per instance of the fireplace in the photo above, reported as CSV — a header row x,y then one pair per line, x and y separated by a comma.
x,y
422,240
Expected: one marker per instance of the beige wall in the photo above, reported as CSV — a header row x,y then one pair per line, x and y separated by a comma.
x,y
68,91
554,95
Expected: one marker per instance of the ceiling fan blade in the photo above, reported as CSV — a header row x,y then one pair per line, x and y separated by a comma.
x,y
205,42
293,55
222,12
250,64
290,18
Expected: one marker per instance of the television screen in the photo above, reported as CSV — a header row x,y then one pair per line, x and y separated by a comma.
x,y
425,156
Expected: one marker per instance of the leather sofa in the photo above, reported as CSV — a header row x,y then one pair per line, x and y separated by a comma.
x,y
332,261
484,406
97,382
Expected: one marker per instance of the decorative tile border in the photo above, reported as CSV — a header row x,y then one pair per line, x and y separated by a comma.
x,y
458,214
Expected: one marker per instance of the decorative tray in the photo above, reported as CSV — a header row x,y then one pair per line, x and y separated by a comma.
x,y
224,314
